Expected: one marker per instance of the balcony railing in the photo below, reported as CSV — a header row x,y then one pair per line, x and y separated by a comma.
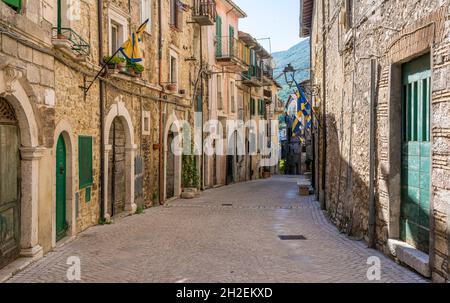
x,y
267,71
76,43
204,12
230,48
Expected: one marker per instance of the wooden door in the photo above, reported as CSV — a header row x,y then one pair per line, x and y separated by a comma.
x,y
415,191
9,185
61,223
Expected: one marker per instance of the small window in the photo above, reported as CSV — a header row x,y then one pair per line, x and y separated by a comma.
x,y
219,92
85,161
146,123
173,70
175,14
232,97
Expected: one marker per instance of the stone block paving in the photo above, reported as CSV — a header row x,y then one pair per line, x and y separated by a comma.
x,y
203,240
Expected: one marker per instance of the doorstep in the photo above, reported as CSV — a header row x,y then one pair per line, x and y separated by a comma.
x,y
15,267
412,257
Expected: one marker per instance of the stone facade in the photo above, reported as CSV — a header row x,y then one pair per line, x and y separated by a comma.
x,y
346,37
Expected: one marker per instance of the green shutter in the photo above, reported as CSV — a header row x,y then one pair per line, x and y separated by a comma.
x,y
85,161
231,40
16,4
219,36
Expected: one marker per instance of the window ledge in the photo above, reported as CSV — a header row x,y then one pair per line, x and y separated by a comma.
x,y
414,258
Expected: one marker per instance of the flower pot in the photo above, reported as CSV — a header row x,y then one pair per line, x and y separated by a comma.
x,y
266,174
61,37
131,72
189,193
171,87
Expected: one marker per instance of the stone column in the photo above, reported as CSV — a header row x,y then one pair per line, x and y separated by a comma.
x,y
29,241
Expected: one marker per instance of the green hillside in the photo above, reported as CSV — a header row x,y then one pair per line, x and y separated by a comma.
x,y
298,56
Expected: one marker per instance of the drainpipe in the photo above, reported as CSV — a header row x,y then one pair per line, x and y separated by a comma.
x,y
202,168
102,110
372,222
323,203
161,126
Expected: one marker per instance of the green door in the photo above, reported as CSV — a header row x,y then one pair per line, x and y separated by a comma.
x,y
415,191
9,185
60,189
219,37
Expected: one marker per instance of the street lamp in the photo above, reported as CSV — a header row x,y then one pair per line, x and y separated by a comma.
x,y
289,74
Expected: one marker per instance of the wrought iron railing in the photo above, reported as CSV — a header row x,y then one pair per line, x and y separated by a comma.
x,y
78,44
205,8
230,48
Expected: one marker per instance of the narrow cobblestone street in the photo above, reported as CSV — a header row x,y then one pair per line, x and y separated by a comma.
x,y
229,234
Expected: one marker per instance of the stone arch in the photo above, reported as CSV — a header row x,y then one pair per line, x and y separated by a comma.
x,y
64,129
17,92
172,125
118,110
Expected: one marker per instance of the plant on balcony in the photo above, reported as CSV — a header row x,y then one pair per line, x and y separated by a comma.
x,y
134,69
114,62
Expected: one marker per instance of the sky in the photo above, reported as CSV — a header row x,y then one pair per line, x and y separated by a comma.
x,y
277,19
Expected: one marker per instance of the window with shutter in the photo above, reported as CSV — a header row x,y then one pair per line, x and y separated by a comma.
x,y
85,161
219,36
15,4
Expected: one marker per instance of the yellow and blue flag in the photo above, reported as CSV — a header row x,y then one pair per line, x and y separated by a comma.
x,y
303,106
131,49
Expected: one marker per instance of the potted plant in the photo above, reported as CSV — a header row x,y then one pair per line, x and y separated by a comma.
x,y
134,69
114,62
190,178
172,87
266,172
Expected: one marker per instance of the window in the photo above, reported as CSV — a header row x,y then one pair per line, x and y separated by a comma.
x,y
219,92
252,107
175,14
173,68
232,97
349,13
85,161
146,13
15,4
118,30
146,123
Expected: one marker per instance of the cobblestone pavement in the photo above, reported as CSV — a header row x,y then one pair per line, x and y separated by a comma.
x,y
202,240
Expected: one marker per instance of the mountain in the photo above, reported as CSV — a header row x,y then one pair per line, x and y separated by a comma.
x,y
298,56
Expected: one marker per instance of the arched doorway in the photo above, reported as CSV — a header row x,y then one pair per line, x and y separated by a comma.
x,y
170,174
117,168
10,206
61,190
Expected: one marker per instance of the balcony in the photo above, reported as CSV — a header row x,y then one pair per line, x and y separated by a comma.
x,y
230,53
204,12
268,95
70,43
252,77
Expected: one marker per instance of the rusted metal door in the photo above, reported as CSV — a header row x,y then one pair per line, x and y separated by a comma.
x,y
9,185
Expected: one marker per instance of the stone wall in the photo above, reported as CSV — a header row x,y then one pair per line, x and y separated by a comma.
x,y
391,32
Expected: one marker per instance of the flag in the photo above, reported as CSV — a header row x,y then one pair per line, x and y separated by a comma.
x,y
296,127
131,49
303,106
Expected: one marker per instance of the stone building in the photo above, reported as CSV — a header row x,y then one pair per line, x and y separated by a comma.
x,y
383,158
75,157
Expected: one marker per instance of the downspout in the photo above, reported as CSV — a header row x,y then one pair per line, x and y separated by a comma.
x,y
323,203
161,127
373,66
102,110
202,169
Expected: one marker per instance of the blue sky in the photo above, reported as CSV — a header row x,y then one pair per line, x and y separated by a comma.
x,y
277,19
